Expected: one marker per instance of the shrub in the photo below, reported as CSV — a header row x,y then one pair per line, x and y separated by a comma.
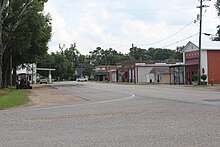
x,y
204,77
195,77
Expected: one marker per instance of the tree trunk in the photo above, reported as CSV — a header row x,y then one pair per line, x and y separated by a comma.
x,y
0,70
1,55
10,68
5,77
14,77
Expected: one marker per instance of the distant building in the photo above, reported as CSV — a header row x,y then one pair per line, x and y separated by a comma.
x,y
144,72
27,71
105,73
166,73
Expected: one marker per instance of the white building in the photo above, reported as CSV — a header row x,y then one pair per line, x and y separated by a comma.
x,y
30,72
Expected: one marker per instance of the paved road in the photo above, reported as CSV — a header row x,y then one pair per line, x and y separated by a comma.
x,y
118,115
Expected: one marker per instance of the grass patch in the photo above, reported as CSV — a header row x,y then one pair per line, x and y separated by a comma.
x,y
11,97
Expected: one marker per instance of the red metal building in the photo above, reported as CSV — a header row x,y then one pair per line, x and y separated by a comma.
x,y
210,61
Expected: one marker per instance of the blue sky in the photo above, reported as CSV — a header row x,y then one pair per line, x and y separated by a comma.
x,y
119,23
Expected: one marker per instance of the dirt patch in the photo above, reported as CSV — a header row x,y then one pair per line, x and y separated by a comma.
x,y
45,95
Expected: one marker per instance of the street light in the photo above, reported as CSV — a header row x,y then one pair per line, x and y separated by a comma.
x,y
212,35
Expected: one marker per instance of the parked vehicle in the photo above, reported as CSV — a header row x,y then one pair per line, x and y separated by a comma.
x,y
81,79
43,80
23,84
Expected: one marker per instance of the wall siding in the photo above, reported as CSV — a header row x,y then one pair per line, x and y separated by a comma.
x,y
214,66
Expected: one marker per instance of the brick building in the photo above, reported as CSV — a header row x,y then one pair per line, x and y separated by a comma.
x,y
105,73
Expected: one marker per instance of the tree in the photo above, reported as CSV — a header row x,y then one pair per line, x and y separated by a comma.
x,y
26,32
72,54
95,56
61,64
217,5
139,54
88,69
106,57
5,4
160,55
66,61
2,8
178,55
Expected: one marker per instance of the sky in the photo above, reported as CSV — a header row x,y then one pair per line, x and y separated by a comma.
x,y
119,23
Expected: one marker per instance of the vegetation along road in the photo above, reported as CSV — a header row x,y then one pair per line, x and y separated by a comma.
x,y
11,97
117,115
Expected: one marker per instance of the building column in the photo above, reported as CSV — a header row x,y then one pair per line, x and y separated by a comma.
x,y
50,77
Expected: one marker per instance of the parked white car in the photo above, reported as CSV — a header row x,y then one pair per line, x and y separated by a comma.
x,y
81,79
43,80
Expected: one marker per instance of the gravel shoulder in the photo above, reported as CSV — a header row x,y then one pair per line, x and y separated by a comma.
x,y
46,95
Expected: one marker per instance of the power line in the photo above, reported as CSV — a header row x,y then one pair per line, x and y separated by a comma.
x,y
165,45
170,35
180,40
164,38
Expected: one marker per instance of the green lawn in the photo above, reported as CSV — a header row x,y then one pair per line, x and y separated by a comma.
x,y
11,97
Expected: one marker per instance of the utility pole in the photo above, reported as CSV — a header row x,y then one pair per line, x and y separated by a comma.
x,y
134,64
106,70
200,35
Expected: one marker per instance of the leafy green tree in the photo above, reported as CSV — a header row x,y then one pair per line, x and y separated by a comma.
x,y
139,54
62,66
65,61
25,33
45,61
111,57
88,69
106,57
96,56
72,54
160,55
35,30
178,54
5,13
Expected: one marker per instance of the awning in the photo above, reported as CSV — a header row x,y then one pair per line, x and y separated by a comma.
x,y
101,73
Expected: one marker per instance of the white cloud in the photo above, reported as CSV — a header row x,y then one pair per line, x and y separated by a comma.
x,y
118,23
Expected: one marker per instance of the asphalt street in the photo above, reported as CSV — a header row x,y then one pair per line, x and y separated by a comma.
x,y
118,115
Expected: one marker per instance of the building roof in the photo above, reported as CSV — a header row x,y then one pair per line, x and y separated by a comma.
x,y
157,65
211,45
187,47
